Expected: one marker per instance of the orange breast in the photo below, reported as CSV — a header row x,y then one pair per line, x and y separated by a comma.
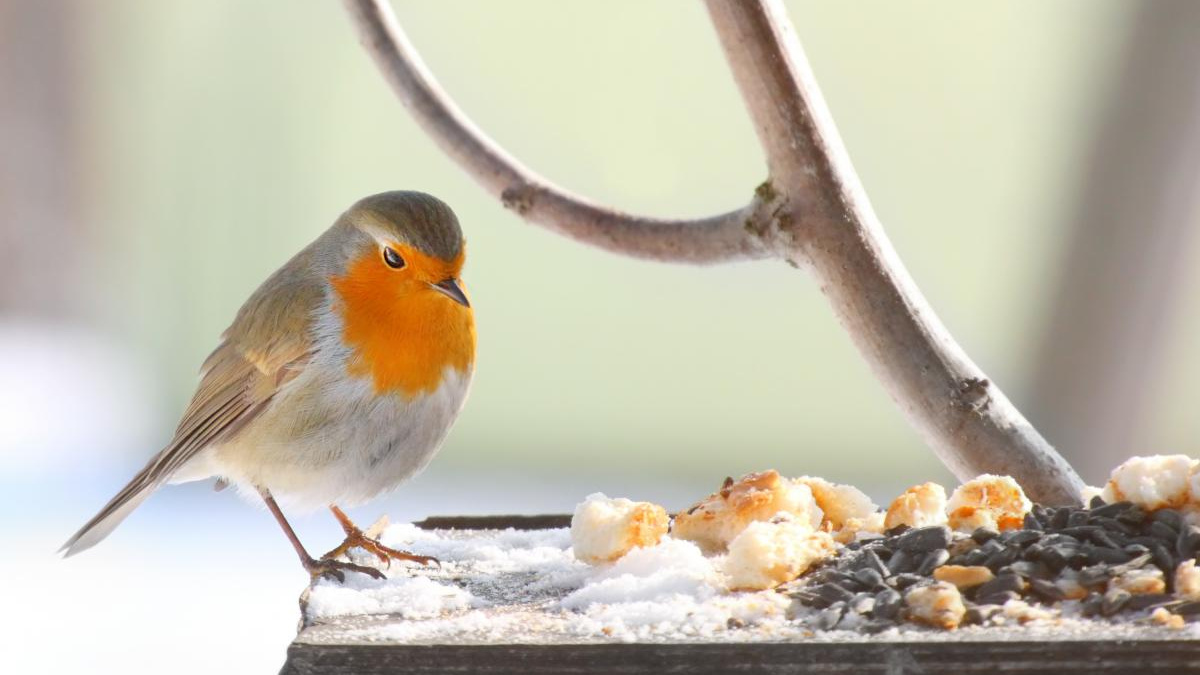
x,y
403,333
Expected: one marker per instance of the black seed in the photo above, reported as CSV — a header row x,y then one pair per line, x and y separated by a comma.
x,y
933,560
1096,502
1188,608
1046,590
1031,522
1136,549
1002,583
829,617
873,627
1134,515
900,562
1056,557
1021,537
903,581
1042,514
846,580
1077,518
1113,525
1162,531
863,603
1091,604
832,593
1188,541
1095,554
887,604
1108,540
869,560
992,547
997,598
971,558
1169,517
1094,575
1114,601
1029,570
924,539
979,615
869,577
1148,600
983,535
1082,532
1136,563
897,530
1059,539
1110,510
1059,520
1002,558
1163,558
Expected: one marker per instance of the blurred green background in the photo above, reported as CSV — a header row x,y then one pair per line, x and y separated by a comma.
x,y
221,137
207,142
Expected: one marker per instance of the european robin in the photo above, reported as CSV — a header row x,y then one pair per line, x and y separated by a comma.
x,y
337,381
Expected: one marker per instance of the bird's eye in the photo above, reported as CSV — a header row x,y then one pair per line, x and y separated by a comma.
x,y
392,258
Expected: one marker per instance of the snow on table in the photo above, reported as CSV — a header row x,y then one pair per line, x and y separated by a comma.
x,y
525,587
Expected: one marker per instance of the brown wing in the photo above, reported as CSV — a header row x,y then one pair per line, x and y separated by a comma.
x,y
267,345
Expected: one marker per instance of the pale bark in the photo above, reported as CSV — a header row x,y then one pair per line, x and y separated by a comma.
x,y
812,212
719,238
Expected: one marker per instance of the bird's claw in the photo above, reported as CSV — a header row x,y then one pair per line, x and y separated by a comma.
x,y
336,569
385,554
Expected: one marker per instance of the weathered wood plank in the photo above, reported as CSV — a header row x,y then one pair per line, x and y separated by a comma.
x,y
866,656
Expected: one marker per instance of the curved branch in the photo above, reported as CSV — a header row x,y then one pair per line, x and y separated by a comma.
x,y
736,235
965,418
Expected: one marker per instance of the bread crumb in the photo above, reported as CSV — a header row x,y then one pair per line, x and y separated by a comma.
x,y
715,521
1162,617
768,553
1187,580
939,604
1152,482
996,502
840,505
603,529
1140,581
964,577
919,506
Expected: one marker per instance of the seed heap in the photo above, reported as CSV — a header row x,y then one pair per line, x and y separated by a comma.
x,y
1113,558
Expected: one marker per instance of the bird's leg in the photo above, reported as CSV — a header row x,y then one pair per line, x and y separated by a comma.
x,y
325,567
355,538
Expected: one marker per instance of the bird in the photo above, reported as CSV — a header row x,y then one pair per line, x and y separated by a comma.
x,y
338,380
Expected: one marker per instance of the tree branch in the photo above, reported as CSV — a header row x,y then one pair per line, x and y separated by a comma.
x,y
834,231
736,235
812,212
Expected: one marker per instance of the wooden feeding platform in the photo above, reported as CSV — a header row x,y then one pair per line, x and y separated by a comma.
x,y
502,614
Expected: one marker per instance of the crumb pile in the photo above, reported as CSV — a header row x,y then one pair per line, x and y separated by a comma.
x,y
768,558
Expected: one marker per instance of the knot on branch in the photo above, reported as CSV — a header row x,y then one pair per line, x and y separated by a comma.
x,y
972,394
770,221
518,198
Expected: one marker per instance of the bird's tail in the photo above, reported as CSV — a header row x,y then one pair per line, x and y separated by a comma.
x,y
102,524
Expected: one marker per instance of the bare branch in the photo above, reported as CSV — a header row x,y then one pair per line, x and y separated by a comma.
x,y
730,236
833,230
812,211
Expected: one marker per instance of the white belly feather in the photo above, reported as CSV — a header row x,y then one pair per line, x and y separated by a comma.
x,y
328,438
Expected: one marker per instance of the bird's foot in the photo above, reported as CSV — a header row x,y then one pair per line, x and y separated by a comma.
x,y
369,542
336,569
356,539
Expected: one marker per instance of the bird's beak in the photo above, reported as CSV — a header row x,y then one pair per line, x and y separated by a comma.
x,y
451,289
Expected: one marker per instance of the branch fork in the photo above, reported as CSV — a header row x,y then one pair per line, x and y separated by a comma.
x,y
811,212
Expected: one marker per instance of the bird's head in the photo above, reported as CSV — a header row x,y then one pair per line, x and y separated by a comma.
x,y
398,258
